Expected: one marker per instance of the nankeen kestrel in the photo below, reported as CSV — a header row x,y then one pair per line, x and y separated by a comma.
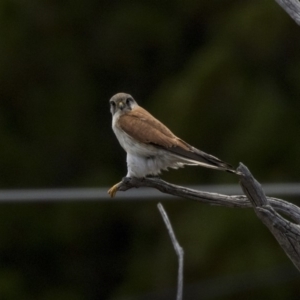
x,y
150,145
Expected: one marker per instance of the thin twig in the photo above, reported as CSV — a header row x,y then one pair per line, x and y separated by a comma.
x,y
178,249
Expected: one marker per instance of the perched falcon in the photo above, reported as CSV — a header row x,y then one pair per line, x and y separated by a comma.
x,y
150,145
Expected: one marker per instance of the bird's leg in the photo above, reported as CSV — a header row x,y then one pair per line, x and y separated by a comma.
x,y
113,190
153,176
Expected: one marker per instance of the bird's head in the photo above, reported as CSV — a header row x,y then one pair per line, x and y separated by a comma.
x,y
121,102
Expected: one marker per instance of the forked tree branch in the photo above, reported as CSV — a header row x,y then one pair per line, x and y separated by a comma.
x,y
266,208
286,233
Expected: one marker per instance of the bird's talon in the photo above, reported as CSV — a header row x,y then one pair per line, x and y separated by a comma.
x,y
113,190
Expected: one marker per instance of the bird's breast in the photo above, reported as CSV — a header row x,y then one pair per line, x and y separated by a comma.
x,y
132,146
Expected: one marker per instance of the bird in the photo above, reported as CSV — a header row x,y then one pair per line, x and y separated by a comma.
x,y
151,146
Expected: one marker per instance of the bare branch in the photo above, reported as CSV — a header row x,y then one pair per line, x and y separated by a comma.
x,y
266,208
292,7
178,249
240,201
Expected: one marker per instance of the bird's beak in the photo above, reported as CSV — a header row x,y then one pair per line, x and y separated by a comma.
x,y
121,105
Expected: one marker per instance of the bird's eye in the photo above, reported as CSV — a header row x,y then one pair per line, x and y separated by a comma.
x,y
113,104
128,100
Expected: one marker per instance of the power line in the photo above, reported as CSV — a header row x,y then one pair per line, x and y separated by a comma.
x,y
100,194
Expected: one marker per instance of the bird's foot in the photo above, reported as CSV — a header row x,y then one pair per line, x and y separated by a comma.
x,y
113,190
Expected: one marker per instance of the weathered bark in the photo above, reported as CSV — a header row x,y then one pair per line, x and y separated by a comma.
x,y
286,233
292,7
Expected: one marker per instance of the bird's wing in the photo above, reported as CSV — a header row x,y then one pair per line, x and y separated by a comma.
x,y
203,158
143,127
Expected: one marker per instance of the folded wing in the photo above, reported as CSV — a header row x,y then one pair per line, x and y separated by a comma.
x,y
142,126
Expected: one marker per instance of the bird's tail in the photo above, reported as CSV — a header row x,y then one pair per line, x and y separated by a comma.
x,y
194,156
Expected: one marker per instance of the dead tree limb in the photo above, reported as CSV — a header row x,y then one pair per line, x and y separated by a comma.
x,y
268,209
286,233
292,7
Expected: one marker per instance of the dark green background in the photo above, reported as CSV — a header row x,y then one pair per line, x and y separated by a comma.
x,y
223,75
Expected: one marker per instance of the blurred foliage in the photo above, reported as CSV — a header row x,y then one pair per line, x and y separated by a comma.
x,y
223,75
